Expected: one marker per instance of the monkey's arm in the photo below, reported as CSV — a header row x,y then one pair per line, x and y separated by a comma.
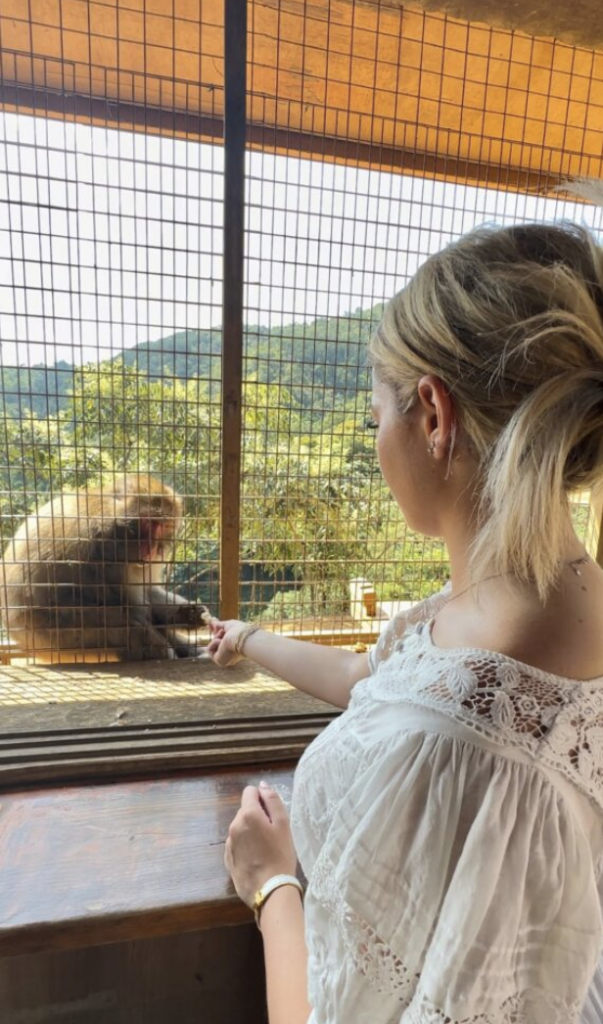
x,y
172,610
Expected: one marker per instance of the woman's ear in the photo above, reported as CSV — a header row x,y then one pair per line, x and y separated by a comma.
x,y
438,415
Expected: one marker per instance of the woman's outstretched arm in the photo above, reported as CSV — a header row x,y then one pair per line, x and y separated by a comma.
x,y
325,672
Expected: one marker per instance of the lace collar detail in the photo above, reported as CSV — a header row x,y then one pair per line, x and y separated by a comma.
x,y
557,721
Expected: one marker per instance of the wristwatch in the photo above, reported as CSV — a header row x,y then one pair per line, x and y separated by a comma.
x,y
268,888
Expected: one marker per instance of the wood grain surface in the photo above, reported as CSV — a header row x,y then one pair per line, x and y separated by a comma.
x,y
83,866
205,977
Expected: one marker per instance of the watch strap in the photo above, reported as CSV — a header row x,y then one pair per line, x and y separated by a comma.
x,y
269,887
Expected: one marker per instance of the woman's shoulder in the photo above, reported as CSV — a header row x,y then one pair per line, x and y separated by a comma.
x,y
562,637
404,622
502,701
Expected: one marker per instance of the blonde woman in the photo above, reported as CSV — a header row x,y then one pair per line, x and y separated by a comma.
x,y
450,821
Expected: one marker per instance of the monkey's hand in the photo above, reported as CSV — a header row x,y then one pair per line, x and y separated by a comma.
x,y
171,609
194,616
221,647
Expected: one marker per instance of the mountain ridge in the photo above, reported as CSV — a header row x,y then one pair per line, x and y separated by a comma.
x,y
334,348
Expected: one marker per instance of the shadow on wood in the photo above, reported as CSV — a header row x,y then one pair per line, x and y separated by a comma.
x,y
211,977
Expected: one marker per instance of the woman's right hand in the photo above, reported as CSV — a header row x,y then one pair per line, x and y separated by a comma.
x,y
224,636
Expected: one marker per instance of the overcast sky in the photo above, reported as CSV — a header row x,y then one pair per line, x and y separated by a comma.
x,y
109,238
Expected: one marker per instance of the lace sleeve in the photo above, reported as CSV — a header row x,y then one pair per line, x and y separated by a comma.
x,y
402,623
455,887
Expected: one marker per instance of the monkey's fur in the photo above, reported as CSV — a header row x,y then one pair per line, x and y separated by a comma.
x,y
83,574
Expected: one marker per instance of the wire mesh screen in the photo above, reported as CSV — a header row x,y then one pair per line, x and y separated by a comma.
x,y
326,245
110,307
375,135
324,548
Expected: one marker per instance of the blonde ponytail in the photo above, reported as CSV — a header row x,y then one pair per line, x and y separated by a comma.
x,y
511,320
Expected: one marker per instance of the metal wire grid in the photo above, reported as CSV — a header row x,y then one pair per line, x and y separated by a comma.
x,y
110,305
334,226
31,685
314,506
333,230
65,61
425,92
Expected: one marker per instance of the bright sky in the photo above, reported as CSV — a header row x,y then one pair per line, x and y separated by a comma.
x,y
109,239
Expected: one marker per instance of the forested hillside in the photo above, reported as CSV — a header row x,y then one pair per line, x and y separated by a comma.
x,y
314,510
327,354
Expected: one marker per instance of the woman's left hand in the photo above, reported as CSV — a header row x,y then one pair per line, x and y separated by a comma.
x,y
259,843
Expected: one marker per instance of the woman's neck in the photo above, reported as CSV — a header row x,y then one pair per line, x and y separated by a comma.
x,y
459,537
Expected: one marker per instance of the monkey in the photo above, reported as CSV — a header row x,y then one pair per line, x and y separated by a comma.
x,y
84,573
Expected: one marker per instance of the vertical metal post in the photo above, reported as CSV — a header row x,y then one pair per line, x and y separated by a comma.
x,y
235,114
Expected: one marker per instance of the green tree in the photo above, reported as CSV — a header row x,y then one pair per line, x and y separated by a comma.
x,y
36,458
123,420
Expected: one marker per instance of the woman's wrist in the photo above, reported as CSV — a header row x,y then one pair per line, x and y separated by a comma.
x,y
243,636
283,937
280,880
283,906
254,641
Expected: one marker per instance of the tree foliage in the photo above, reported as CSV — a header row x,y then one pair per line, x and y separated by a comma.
x,y
315,511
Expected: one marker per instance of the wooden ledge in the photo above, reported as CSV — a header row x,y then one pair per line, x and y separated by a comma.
x,y
67,725
85,866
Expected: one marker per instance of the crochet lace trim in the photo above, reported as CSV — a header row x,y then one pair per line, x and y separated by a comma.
x,y
556,720
366,954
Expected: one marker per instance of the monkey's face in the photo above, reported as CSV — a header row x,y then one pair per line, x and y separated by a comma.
x,y
153,539
149,515
147,539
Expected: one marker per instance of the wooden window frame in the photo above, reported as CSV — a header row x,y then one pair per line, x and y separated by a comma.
x,y
252,736
95,755
256,735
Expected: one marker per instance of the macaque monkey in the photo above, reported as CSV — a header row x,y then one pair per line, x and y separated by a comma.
x,y
84,574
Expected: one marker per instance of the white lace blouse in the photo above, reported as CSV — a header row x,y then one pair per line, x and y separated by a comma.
x,y
450,824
